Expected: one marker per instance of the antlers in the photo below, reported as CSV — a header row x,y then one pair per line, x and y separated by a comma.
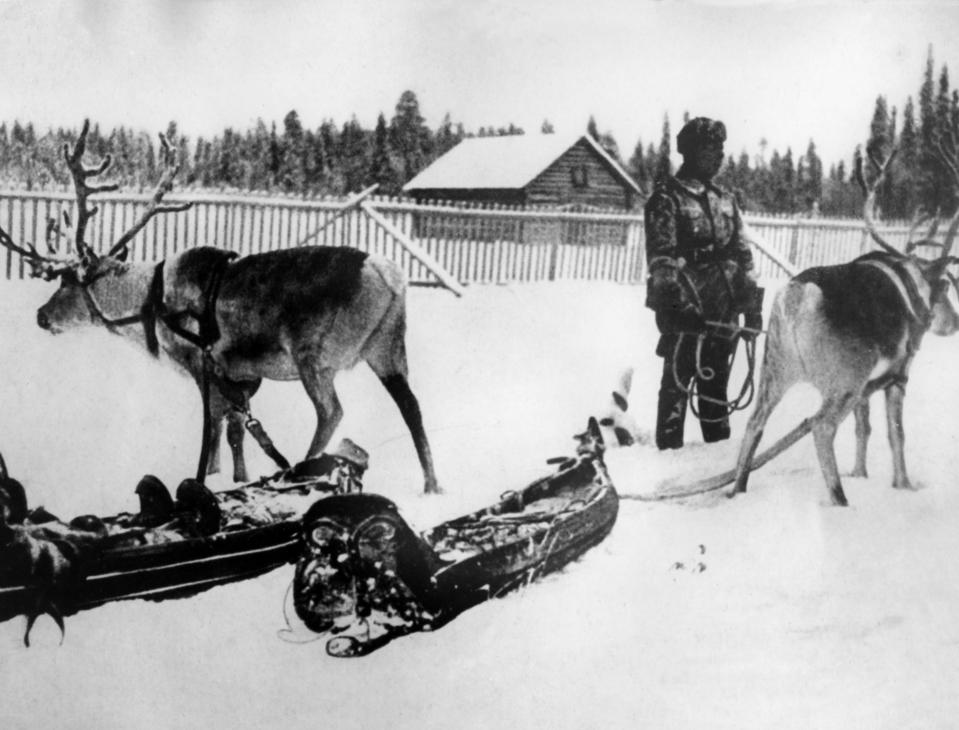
x,y
870,191
50,266
948,157
80,174
43,266
171,165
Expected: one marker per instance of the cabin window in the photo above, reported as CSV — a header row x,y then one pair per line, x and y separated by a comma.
x,y
579,177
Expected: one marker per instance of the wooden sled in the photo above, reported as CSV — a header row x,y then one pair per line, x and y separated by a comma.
x,y
365,578
170,549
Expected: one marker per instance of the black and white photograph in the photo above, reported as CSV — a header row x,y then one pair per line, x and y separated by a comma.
x,y
432,364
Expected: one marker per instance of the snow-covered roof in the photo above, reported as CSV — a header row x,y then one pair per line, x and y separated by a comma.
x,y
508,162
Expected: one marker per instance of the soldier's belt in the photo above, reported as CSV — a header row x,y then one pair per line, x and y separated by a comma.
x,y
702,255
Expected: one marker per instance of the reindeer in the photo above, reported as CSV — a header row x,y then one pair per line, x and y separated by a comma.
x,y
850,330
296,314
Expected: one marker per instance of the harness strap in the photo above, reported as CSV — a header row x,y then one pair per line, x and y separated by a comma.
x,y
209,332
906,286
151,308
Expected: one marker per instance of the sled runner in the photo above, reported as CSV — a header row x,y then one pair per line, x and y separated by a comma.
x,y
365,578
169,549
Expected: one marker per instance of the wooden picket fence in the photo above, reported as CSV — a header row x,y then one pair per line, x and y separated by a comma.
x,y
476,245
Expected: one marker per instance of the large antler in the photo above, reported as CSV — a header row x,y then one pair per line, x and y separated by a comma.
x,y
81,174
171,165
30,252
870,191
47,267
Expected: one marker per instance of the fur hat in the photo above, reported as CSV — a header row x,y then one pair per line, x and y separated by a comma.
x,y
697,132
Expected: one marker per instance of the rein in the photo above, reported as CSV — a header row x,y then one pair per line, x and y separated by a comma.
x,y
746,393
748,389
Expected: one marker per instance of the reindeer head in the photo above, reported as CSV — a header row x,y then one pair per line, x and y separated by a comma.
x,y
84,271
940,288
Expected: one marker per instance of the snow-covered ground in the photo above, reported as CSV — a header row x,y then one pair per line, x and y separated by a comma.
x,y
805,615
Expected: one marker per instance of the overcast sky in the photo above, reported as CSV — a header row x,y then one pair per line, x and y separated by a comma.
x,y
786,71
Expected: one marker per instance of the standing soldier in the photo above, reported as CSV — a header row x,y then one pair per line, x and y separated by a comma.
x,y
700,269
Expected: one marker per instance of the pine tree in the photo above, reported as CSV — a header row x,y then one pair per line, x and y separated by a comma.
x,y
638,168
906,165
664,166
928,134
591,129
409,135
329,139
811,182
878,147
382,171
258,154
354,155
232,170
291,174
203,166
879,143
608,143
546,127
743,181
945,185
446,137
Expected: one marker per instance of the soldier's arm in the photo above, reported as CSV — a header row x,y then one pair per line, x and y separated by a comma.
x,y
660,223
741,252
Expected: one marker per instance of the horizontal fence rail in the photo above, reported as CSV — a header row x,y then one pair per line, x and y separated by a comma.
x,y
482,245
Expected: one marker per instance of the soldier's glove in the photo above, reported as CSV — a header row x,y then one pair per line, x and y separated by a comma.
x,y
663,290
663,293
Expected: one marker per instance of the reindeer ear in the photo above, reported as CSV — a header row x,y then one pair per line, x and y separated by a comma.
x,y
122,254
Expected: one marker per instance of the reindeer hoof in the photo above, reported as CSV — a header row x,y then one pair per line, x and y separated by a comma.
x,y
737,489
859,473
838,497
905,484
432,488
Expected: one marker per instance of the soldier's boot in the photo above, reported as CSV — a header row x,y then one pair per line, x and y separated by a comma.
x,y
670,418
713,432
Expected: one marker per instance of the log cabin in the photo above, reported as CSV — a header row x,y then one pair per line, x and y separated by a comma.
x,y
528,170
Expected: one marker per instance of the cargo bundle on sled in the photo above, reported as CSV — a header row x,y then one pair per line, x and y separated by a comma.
x,y
172,548
365,578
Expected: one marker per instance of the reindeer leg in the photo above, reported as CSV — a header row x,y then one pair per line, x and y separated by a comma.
x,y
863,430
833,411
318,383
895,394
218,411
235,432
772,387
386,355
399,389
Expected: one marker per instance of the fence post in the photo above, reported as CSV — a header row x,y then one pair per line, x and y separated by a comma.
x,y
794,242
553,258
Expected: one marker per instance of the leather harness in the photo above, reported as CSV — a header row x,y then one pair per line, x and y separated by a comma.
x,y
153,309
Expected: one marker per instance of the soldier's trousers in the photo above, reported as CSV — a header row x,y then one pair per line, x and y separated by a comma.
x,y
671,416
